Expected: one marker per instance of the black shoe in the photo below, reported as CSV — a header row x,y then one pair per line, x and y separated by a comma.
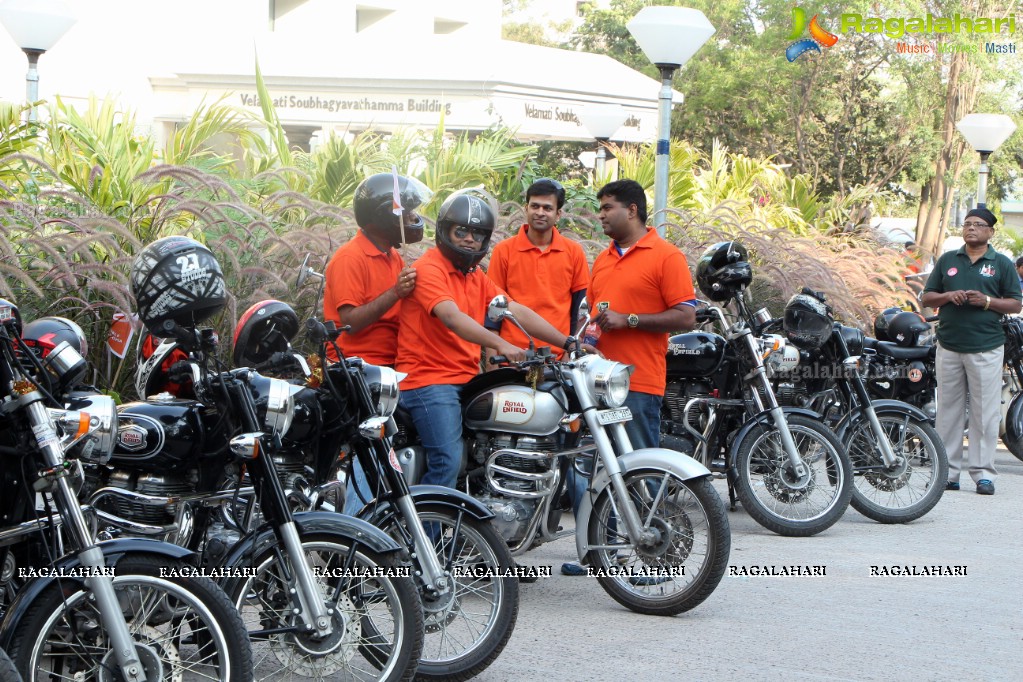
x,y
572,568
952,485
527,578
985,487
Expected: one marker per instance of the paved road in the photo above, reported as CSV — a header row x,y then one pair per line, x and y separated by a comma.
x,y
846,625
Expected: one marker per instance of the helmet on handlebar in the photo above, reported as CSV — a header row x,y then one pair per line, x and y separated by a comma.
x,y
807,321
906,328
264,329
723,270
44,334
176,280
881,322
156,357
473,210
374,207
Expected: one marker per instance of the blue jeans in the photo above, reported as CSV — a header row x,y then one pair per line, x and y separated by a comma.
x,y
353,503
644,431
437,414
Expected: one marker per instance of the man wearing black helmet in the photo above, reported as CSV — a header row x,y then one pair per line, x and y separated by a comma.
x,y
973,286
367,277
442,330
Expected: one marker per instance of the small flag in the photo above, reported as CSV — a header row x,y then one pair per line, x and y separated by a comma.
x,y
122,330
396,201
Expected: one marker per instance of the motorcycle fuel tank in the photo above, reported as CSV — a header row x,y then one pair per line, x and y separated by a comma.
x,y
159,434
696,354
515,409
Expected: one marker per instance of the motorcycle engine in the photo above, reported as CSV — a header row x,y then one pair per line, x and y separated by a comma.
x,y
501,494
153,485
673,433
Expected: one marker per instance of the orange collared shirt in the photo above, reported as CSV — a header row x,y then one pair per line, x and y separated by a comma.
x,y
428,351
651,277
543,281
357,274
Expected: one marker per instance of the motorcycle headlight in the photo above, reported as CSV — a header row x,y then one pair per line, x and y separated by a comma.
x,y
280,406
383,387
608,380
66,364
90,428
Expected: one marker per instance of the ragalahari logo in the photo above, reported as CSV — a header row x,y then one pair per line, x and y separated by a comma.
x,y
818,36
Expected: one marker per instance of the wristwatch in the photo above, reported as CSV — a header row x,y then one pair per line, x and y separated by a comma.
x,y
633,321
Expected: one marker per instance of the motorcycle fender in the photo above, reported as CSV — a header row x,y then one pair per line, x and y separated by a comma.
x,y
113,551
348,527
659,459
1013,437
881,407
431,494
764,418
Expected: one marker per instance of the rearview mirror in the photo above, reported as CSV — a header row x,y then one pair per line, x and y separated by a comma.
x,y
498,308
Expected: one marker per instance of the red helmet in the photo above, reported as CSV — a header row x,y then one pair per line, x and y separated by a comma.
x,y
46,333
264,329
156,357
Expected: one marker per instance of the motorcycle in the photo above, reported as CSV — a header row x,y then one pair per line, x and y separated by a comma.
x,y
651,526
74,608
322,594
463,569
899,462
788,469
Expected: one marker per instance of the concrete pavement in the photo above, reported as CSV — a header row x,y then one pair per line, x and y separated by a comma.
x,y
845,625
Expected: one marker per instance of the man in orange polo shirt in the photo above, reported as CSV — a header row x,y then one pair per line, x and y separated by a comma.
x,y
367,277
649,291
538,267
442,330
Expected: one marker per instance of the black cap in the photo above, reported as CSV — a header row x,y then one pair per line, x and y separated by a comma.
x,y
984,214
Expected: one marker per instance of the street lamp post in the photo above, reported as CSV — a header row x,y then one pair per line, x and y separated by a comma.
x,y
602,122
669,37
36,26
985,133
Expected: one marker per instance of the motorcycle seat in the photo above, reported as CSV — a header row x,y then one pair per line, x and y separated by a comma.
x,y
893,350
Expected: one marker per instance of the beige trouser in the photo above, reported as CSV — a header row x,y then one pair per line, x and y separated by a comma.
x,y
980,376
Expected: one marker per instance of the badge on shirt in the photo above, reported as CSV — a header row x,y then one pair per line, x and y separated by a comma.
x,y
987,271
952,272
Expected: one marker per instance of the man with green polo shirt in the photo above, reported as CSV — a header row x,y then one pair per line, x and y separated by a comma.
x,y
973,286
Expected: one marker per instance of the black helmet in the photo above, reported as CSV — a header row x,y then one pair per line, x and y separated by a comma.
x,y
906,327
471,209
723,270
882,321
807,321
374,207
44,334
264,329
176,279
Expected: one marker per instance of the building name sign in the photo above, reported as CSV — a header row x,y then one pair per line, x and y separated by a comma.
x,y
567,115
333,104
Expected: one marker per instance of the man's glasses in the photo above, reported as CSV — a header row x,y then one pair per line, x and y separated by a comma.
x,y
975,224
478,234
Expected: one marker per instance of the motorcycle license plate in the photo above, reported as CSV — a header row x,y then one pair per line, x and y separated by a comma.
x,y
622,414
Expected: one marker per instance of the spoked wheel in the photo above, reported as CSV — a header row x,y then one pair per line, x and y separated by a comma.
x,y
684,554
775,496
377,618
468,627
911,487
184,628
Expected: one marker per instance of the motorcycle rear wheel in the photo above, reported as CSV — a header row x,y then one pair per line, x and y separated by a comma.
x,y
183,625
910,491
382,634
466,633
762,470
684,567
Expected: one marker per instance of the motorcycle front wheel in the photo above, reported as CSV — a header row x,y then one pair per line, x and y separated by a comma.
x,y
770,492
686,556
378,620
185,628
467,628
913,486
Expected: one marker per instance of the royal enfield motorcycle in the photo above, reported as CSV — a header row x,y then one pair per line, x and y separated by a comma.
x,y
788,469
899,462
323,595
74,608
463,568
650,524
